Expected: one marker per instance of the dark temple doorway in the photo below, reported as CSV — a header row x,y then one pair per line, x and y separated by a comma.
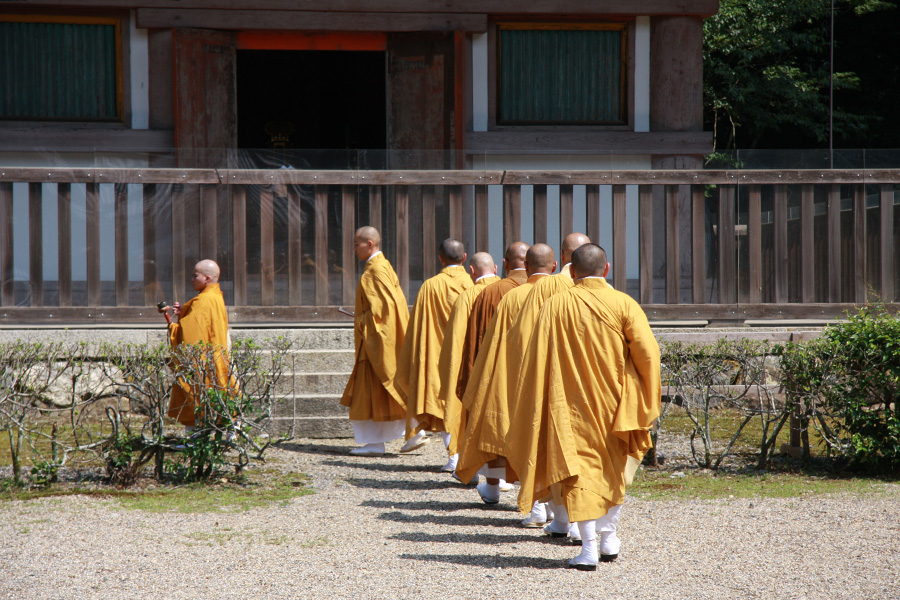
x,y
311,108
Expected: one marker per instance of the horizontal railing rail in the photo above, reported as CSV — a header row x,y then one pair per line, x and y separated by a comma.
x,y
89,245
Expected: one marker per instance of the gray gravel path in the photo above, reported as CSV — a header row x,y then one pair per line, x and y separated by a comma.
x,y
397,528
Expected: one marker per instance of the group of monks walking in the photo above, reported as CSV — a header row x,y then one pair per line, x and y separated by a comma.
x,y
551,380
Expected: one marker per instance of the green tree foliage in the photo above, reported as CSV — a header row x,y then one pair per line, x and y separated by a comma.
x,y
766,72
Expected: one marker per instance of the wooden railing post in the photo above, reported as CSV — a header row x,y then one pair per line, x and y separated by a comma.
x,y
36,243
64,253
92,230
727,270
7,273
781,243
645,219
121,243
886,199
239,243
620,238
673,249
698,244
834,243
539,201
512,214
754,239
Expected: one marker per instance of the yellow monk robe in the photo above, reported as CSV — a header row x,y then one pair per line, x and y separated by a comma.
x,y
379,326
588,395
485,399
203,320
418,372
479,318
448,362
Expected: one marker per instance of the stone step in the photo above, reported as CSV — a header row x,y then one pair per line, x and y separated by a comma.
x,y
309,405
311,427
310,415
321,361
312,383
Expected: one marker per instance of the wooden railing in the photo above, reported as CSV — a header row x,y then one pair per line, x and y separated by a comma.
x,y
688,245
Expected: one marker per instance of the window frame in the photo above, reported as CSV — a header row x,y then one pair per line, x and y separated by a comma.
x,y
626,90
117,23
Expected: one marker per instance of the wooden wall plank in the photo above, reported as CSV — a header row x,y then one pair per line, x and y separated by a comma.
x,y
36,243
149,209
512,215
209,210
698,243
376,194
482,229
455,200
295,248
429,238
64,231
859,236
566,212
887,243
92,235
834,243
592,201
619,238
673,245
807,243
754,243
727,268
540,213
239,242
7,273
348,255
645,224
267,247
781,243
120,209
402,235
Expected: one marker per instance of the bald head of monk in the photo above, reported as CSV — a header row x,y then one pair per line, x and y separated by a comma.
x,y
451,252
540,259
570,244
482,264
589,260
514,258
366,242
206,272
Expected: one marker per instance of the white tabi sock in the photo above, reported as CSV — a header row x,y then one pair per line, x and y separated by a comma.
x,y
560,523
446,437
588,532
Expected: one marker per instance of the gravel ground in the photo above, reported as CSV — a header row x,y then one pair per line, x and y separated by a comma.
x,y
396,527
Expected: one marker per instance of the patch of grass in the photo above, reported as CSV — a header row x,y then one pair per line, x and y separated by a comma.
x,y
651,484
315,542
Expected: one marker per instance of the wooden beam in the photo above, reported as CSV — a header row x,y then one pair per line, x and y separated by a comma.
x,y
512,215
120,210
673,246
92,241
84,138
754,243
455,200
834,243
539,199
587,142
645,260
703,8
295,247
401,225
566,212
781,243
619,238
64,251
429,237
859,241
807,244
482,229
592,205
887,243
239,241
698,244
267,247
243,20
348,256
179,243
36,244
7,264
375,195
727,269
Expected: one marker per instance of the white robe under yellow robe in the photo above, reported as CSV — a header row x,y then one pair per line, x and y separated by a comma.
x,y
486,393
588,395
418,368
379,327
451,358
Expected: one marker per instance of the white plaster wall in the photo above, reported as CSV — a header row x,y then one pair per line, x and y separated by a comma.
x,y
140,76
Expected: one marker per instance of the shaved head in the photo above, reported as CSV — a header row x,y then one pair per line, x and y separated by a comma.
x,y
570,244
540,259
589,260
208,268
482,264
452,251
515,256
369,234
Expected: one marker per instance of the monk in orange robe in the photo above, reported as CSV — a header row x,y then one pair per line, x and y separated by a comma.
x,y
201,321
377,405
486,394
484,273
484,307
588,394
417,372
